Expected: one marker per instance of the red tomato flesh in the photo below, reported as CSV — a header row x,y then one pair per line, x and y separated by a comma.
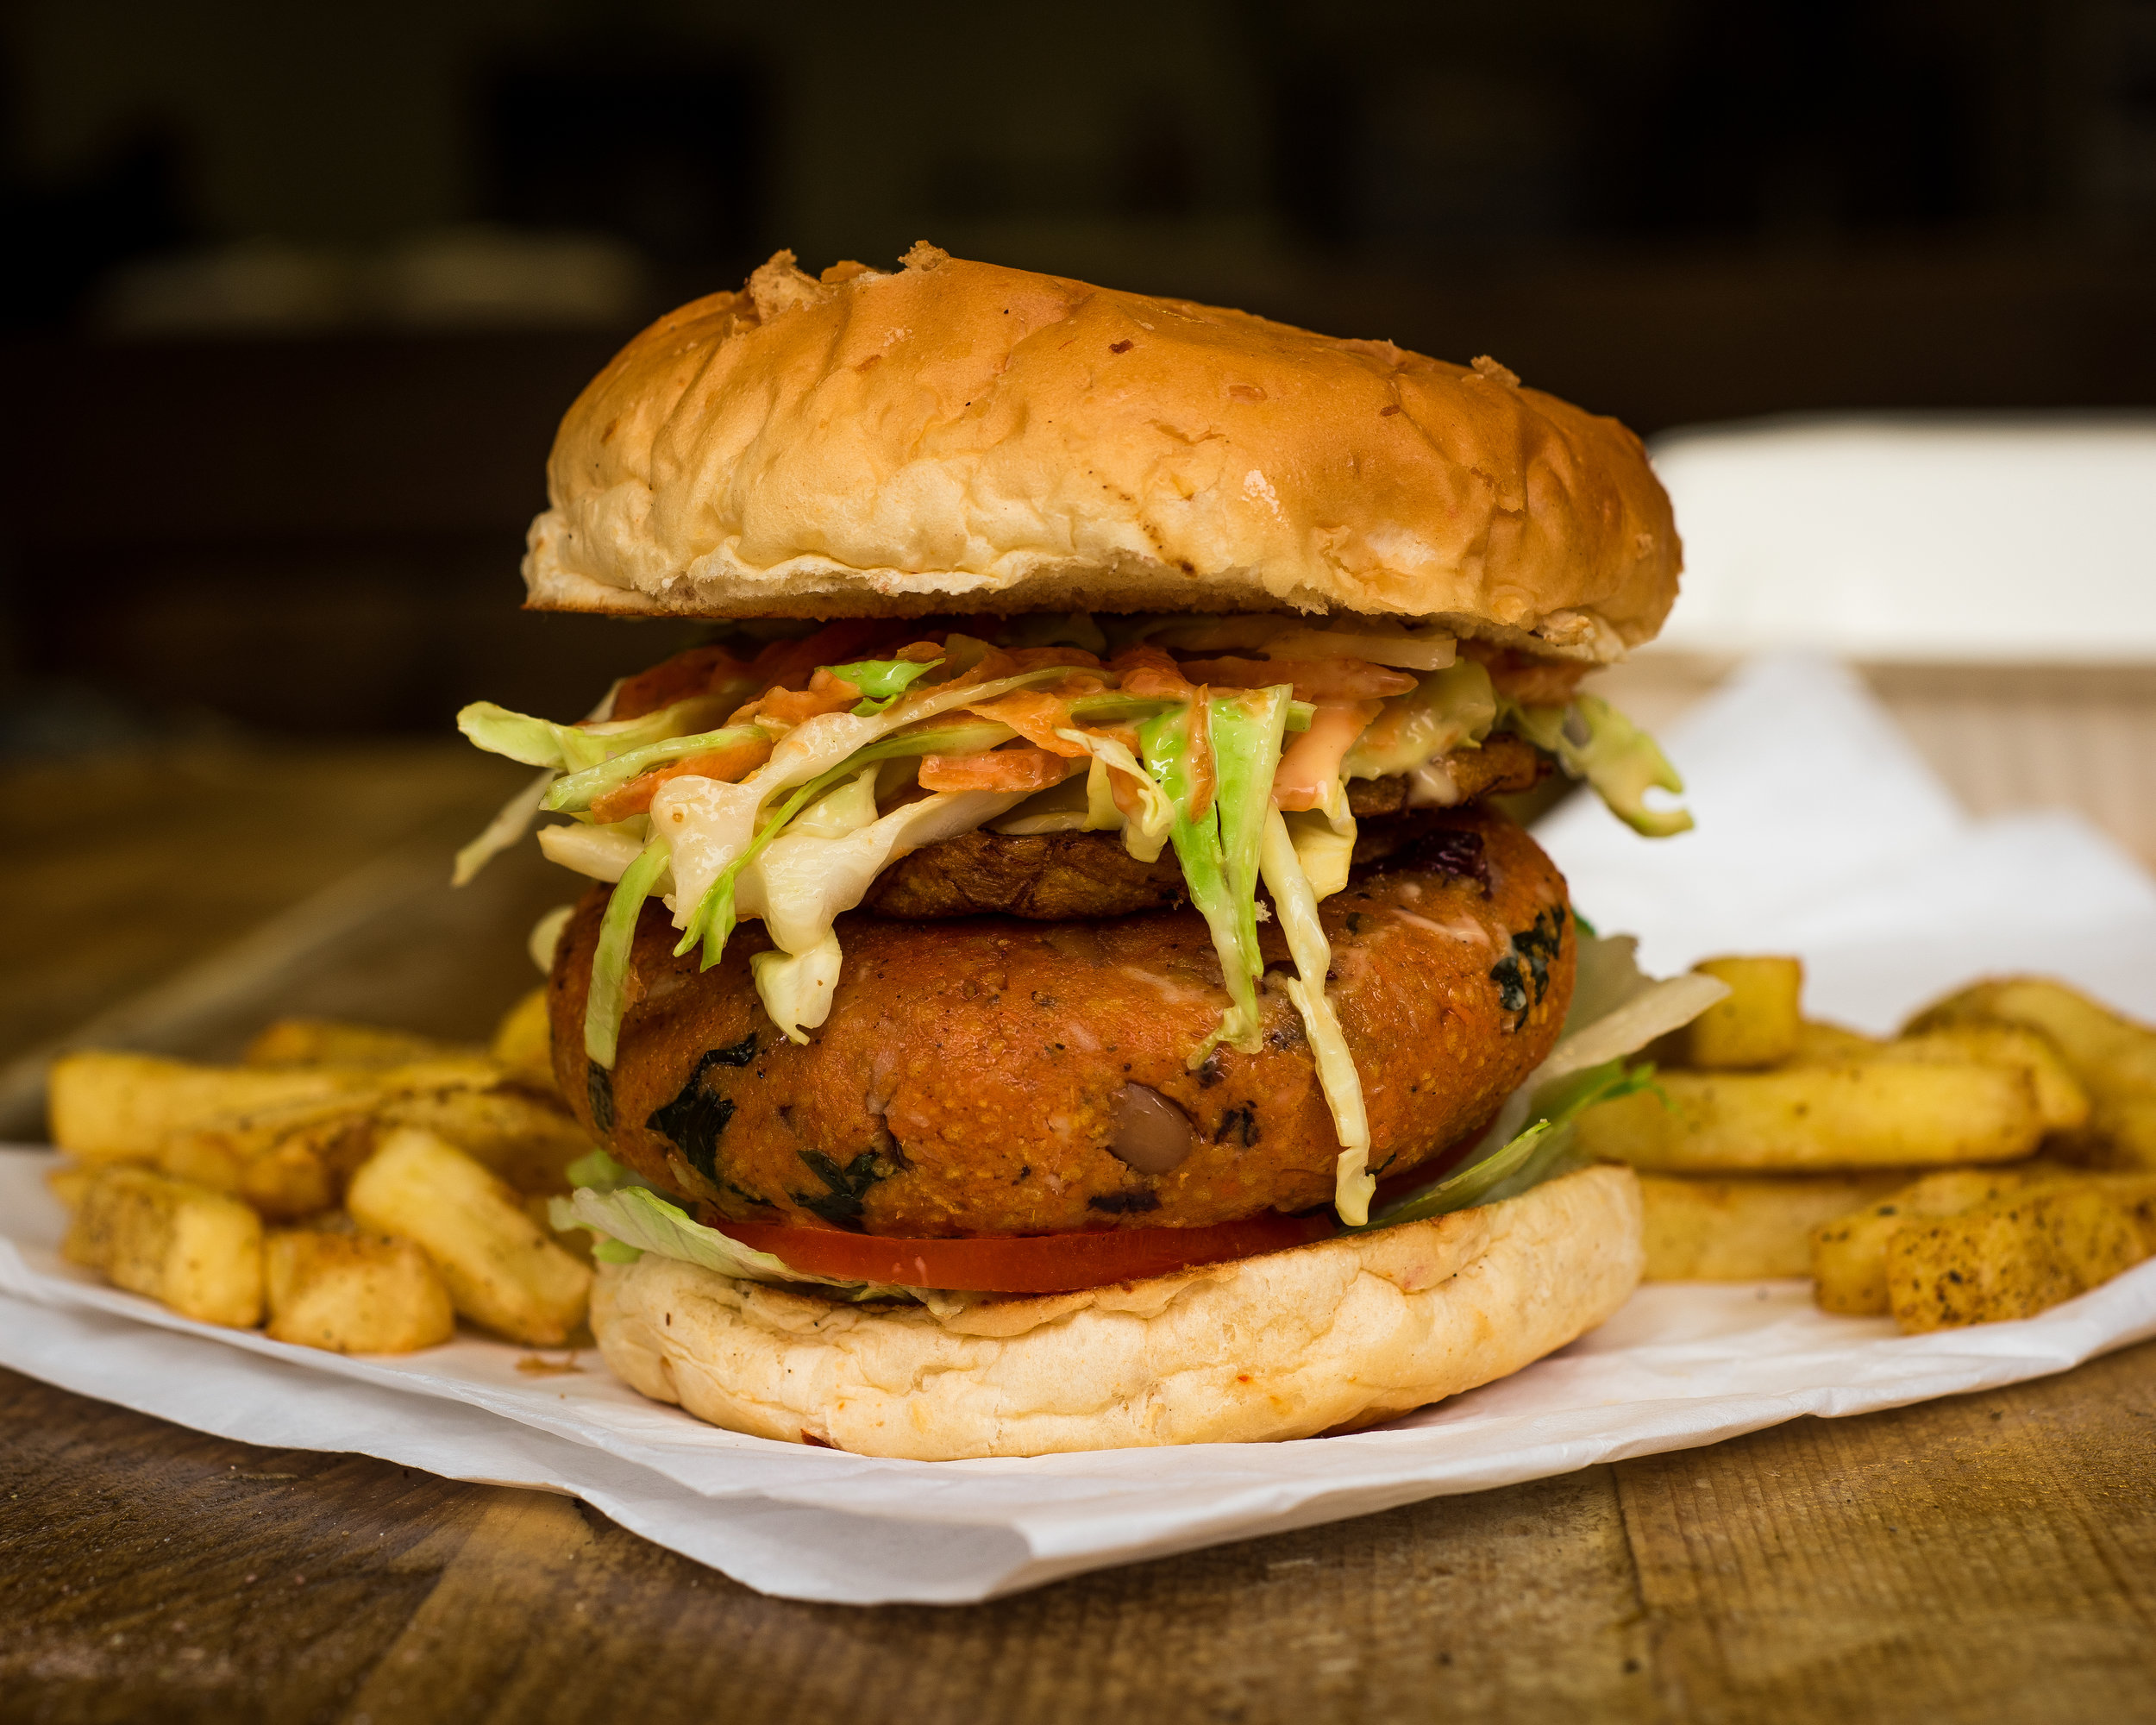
x,y
1025,1263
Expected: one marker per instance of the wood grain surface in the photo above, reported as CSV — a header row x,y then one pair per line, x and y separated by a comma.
x,y
1989,1558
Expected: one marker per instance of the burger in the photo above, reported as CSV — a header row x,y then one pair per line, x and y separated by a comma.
x,y
1053,976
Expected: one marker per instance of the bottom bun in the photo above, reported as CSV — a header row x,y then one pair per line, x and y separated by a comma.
x,y
1342,1333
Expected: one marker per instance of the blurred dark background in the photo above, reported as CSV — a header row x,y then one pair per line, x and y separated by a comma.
x,y
297,293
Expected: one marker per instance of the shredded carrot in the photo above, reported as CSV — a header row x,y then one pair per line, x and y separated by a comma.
x,y
1148,672
784,663
634,797
825,693
1205,777
1315,680
1123,787
1312,760
693,673
994,769
1037,714
1032,658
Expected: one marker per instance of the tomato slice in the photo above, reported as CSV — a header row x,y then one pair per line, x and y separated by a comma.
x,y
1025,1263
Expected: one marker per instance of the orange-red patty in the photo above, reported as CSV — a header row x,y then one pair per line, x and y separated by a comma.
x,y
980,1076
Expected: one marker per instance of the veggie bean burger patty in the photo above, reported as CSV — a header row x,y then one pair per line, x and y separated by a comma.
x,y
1055,976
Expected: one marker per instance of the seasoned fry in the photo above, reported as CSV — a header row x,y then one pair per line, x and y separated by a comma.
x,y
329,1042
70,1183
526,1140
500,1268
2060,1100
197,1251
1702,1229
1756,1023
2010,1259
220,1154
2114,1058
1869,1113
354,1293
1849,1252
524,1042
2135,1194
306,1171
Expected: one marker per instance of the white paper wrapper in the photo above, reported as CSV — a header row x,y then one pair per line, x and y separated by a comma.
x,y
1821,833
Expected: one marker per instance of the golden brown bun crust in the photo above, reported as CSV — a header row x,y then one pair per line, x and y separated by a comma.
x,y
954,436
967,1078
1348,1331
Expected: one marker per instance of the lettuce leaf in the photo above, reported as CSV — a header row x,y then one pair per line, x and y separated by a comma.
x,y
637,1218
1530,1155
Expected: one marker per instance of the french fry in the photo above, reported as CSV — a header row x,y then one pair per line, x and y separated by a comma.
x,y
500,1268
126,1107
70,1183
220,1153
1743,1229
1819,1120
354,1293
2114,1058
331,1042
1849,1252
1756,1023
123,1107
2012,1257
1828,1044
528,1140
524,1042
2060,1100
2135,1194
197,1251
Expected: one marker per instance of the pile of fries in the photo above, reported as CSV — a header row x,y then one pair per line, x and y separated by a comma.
x,y
1996,1158
351,1188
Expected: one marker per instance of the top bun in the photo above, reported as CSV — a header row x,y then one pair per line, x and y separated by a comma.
x,y
955,436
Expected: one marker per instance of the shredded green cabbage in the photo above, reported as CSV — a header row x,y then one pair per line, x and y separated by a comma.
x,y
581,790
1218,848
713,922
881,681
610,960
1595,741
1446,710
813,757
572,747
1296,906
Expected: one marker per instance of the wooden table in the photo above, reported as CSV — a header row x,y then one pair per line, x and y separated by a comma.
x,y
1991,1557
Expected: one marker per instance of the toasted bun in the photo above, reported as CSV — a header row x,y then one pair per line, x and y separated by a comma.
x,y
957,436
1346,1333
